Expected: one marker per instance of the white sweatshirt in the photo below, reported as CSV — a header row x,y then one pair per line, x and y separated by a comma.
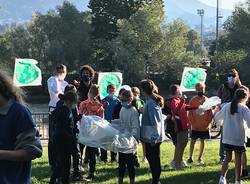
x,y
234,126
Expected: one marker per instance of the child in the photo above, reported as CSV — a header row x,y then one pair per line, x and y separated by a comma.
x,y
200,123
64,135
152,129
179,110
92,106
112,101
138,104
235,116
129,123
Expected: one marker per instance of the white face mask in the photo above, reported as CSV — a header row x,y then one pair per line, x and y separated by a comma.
x,y
61,77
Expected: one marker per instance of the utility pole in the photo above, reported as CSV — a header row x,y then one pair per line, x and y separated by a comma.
x,y
201,13
217,26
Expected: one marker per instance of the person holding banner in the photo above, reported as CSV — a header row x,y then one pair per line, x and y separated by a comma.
x,y
199,123
56,86
179,110
87,74
110,102
19,137
225,93
152,129
92,106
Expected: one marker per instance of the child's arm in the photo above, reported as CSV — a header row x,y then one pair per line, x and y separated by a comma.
x,y
246,116
135,122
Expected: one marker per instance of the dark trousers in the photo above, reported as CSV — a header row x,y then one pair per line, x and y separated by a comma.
x,y
86,157
92,158
76,159
63,163
52,161
104,155
126,161
153,157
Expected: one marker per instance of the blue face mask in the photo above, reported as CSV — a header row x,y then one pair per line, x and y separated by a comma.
x,y
230,79
125,105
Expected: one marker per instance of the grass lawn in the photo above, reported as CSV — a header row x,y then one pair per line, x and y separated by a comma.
x,y
197,174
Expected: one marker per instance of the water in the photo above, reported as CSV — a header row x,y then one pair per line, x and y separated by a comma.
x,y
38,107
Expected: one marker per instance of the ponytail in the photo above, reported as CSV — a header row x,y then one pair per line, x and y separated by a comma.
x,y
149,87
239,95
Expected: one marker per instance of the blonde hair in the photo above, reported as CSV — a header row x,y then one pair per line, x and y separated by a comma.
x,y
94,91
135,91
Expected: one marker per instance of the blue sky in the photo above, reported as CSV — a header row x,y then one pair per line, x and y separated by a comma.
x,y
225,4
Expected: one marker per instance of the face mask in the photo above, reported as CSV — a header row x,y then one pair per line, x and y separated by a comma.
x,y
200,93
86,78
61,77
125,105
231,79
180,94
74,105
111,95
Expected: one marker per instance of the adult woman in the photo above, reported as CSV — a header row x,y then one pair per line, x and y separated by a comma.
x,y
19,138
152,129
226,94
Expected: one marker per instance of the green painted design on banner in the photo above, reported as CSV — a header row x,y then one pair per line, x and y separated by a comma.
x,y
109,78
194,76
26,71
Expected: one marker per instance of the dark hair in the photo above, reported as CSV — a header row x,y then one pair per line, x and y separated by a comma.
x,y
70,87
239,94
95,90
69,96
88,68
126,95
121,91
237,76
110,86
8,90
148,86
61,67
173,88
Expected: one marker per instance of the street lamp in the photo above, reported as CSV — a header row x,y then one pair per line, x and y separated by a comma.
x,y
201,13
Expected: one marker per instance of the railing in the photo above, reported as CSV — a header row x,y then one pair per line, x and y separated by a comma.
x,y
42,122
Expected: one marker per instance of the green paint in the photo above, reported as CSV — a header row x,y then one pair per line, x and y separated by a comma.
x,y
26,71
109,78
194,76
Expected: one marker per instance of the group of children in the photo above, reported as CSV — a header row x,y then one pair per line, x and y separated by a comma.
x,y
149,129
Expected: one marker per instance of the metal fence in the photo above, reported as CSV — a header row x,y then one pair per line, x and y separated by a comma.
x,y
42,122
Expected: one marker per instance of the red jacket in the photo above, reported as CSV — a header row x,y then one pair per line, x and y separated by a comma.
x,y
179,109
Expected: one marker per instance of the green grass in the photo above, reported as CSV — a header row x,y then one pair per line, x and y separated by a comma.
x,y
197,174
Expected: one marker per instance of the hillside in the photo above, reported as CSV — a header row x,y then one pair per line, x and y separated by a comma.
x,y
22,10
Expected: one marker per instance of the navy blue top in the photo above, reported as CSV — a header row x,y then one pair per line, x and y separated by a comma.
x,y
14,120
112,102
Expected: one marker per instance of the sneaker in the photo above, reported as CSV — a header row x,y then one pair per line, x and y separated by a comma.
x,y
184,164
144,159
190,161
172,164
238,182
90,177
222,180
244,173
221,161
200,161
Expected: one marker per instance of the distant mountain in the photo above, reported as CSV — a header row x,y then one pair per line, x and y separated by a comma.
x,y
22,10
187,10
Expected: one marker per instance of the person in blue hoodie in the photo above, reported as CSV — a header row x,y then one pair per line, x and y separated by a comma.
x,y
152,128
19,138
110,103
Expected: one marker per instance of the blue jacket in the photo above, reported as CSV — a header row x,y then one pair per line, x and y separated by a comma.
x,y
112,102
152,129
